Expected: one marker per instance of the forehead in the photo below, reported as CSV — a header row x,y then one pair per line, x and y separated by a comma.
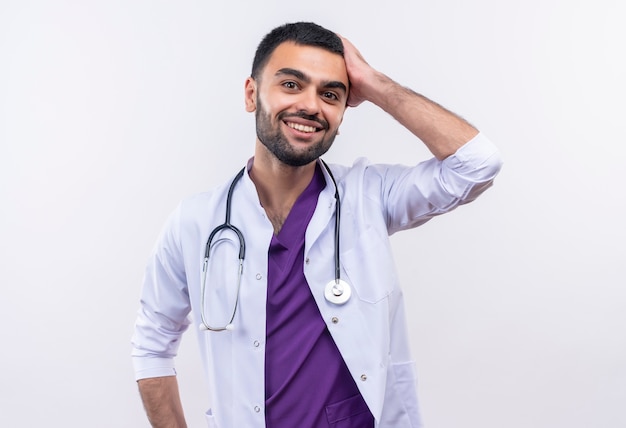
x,y
316,63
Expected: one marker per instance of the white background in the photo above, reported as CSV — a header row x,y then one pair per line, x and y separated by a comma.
x,y
113,111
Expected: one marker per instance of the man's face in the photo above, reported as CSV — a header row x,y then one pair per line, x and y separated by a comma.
x,y
299,100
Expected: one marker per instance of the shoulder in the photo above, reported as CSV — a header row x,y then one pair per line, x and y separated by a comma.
x,y
203,203
364,172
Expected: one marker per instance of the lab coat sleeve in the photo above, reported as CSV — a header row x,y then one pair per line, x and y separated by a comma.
x,y
164,308
413,195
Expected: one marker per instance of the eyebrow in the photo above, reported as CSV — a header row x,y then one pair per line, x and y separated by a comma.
x,y
331,84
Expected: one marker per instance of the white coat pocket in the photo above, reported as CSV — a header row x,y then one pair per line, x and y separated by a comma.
x,y
369,267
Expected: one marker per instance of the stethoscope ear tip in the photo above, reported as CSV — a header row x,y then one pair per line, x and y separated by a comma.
x,y
204,327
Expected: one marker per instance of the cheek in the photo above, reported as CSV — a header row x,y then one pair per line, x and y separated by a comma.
x,y
334,117
274,101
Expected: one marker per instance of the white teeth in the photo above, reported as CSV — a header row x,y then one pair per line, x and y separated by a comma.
x,y
301,128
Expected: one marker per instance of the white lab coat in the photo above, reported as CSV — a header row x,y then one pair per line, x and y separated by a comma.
x,y
369,330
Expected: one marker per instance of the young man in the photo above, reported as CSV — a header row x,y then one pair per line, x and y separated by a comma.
x,y
309,330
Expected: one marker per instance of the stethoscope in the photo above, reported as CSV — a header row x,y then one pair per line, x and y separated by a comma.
x,y
337,291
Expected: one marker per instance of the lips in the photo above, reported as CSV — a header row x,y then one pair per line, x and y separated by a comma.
x,y
304,123
302,128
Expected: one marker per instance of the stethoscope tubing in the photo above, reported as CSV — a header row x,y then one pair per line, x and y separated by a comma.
x,y
337,221
337,291
207,253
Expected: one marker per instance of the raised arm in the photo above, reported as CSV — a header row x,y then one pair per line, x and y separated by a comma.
x,y
442,131
162,402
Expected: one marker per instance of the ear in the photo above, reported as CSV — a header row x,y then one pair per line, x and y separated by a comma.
x,y
250,94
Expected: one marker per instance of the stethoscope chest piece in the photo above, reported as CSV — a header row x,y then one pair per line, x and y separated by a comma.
x,y
337,291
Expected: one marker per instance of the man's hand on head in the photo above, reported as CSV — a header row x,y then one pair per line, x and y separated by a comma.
x,y
362,76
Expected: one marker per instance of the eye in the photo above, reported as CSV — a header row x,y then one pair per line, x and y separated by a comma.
x,y
330,96
290,85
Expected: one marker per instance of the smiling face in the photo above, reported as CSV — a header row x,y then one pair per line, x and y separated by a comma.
x,y
299,100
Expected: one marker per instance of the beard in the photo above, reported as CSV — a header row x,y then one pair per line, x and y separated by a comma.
x,y
276,141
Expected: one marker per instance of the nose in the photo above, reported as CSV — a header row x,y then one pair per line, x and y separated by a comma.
x,y
308,101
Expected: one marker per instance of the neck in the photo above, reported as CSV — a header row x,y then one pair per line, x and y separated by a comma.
x,y
279,185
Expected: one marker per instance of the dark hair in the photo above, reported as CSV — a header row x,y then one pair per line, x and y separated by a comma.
x,y
301,33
